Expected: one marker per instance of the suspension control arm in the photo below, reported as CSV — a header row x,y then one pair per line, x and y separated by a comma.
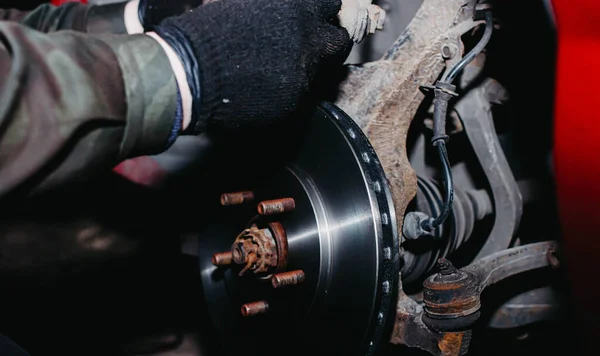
x,y
452,298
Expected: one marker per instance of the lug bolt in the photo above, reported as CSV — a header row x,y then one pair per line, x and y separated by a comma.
x,y
255,308
278,206
287,278
222,258
449,51
236,198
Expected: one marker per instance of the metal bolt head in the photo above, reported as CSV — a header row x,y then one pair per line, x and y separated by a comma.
x,y
449,51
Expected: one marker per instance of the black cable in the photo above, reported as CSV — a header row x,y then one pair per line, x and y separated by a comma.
x,y
485,39
443,89
432,223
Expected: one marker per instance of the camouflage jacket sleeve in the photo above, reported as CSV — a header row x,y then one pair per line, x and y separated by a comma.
x,y
72,103
71,16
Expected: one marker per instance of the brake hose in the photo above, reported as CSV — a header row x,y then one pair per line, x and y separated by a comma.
x,y
420,224
432,223
480,46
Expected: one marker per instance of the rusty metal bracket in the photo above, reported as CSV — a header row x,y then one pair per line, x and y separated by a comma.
x,y
452,299
409,328
475,112
383,97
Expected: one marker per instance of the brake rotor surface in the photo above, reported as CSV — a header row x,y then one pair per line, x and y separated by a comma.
x,y
342,234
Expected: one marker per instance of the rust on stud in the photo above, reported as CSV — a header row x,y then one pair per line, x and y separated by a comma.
x,y
278,206
236,198
255,308
222,258
285,279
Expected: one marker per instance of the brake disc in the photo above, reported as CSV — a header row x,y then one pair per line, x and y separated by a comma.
x,y
337,219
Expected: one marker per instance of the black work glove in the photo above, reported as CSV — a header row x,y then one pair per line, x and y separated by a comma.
x,y
251,62
152,12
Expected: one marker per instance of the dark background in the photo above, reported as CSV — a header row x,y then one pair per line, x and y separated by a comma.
x,y
20,4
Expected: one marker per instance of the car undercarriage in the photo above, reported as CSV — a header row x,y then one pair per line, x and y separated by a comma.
x,y
413,211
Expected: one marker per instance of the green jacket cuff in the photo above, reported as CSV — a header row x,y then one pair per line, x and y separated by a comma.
x,y
151,94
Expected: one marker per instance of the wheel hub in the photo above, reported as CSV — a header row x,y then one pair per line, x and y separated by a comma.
x,y
316,263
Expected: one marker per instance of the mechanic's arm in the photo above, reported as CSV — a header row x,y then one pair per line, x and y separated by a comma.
x,y
74,16
73,103
128,17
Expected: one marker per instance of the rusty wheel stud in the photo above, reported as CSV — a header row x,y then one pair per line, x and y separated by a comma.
x,y
222,258
287,278
236,198
278,206
255,308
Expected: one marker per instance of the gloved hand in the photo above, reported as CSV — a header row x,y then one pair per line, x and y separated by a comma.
x,y
251,62
153,12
